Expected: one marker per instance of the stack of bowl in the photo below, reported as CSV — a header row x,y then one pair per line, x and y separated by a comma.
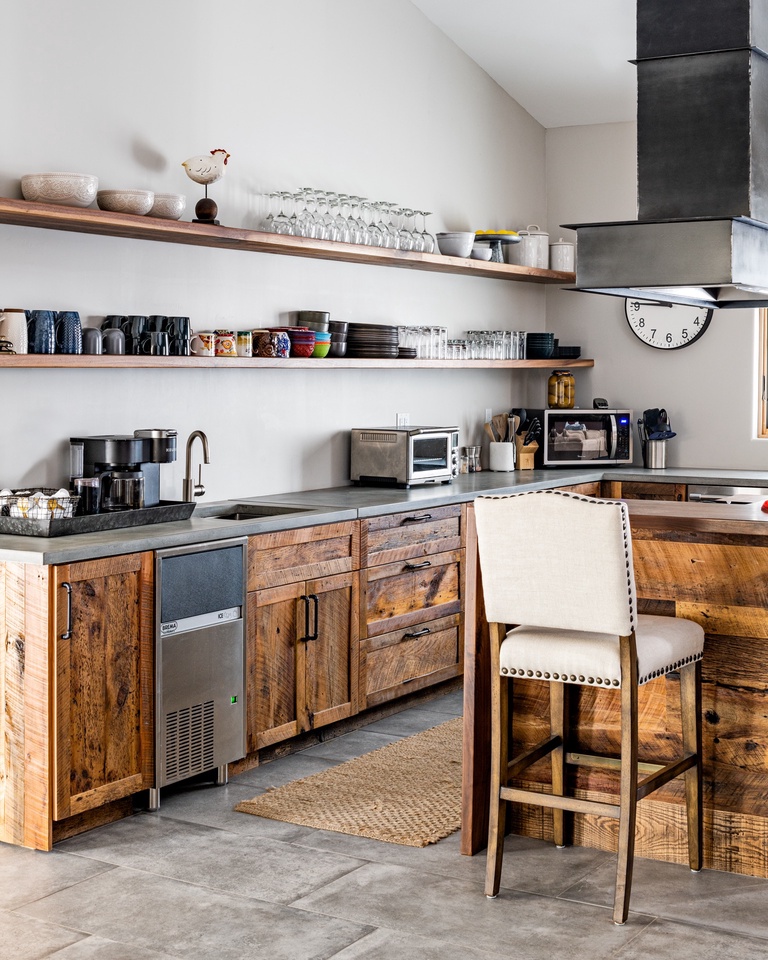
x,y
338,330
302,341
539,346
322,343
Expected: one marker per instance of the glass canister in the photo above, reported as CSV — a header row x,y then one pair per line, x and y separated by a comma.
x,y
561,390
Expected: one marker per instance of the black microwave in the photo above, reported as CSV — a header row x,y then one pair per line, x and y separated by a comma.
x,y
571,438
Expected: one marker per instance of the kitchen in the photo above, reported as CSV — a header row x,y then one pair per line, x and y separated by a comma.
x,y
281,430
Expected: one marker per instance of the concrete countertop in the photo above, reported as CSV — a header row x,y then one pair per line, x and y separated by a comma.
x,y
337,504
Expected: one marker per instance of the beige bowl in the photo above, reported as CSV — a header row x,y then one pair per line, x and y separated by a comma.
x,y
169,206
126,201
68,189
455,244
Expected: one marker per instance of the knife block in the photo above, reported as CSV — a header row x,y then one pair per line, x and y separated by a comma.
x,y
525,454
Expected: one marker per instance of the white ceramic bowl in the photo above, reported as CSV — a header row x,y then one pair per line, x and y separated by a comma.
x,y
169,206
481,251
68,189
126,201
455,244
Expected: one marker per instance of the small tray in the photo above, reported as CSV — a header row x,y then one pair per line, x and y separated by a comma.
x,y
165,512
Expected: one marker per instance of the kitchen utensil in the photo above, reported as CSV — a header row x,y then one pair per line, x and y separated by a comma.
x,y
488,427
500,422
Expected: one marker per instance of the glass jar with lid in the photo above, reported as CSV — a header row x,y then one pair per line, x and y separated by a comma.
x,y
561,390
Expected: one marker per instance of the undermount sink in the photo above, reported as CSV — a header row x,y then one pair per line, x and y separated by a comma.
x,y
248,511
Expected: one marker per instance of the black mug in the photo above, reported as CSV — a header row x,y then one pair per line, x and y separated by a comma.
x,y
180,334
133,327
155,343
113,321
157,323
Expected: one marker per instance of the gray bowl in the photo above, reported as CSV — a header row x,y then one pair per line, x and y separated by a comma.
x,y
338,348
305,317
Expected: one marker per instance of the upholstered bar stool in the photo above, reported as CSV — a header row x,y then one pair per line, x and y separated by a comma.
x,y
559,566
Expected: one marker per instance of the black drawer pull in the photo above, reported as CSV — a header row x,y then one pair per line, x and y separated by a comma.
x,y
421,519
316,603
67,635
416,633
418,566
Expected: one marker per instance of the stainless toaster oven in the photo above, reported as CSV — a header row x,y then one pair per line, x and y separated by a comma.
x,y
404,456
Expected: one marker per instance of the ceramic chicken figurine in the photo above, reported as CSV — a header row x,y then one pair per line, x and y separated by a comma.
x,y
206,169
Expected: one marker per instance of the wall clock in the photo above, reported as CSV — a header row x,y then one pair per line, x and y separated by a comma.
x,y
666,326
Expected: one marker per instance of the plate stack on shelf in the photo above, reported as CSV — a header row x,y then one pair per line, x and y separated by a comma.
x,y
372,341
539,346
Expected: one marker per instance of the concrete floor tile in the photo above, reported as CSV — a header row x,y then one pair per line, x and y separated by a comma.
x,y
387,945
399,899
407,723
97,948
452,704
27,938
28,875
265,869
192,921
284,770
711,898
665,940
350,745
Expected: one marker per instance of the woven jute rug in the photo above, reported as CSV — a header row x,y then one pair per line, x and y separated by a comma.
x,y
408,792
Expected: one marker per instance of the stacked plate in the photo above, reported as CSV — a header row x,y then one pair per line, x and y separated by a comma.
x,y
539,346
372,340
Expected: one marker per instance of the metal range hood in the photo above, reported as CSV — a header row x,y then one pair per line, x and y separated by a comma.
x,y
701,236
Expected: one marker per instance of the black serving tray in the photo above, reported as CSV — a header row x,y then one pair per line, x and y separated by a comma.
x,y
164,512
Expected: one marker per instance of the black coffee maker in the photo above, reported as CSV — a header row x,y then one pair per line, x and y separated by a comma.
x,y
128,467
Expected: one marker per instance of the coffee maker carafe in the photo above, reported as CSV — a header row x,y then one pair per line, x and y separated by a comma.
x,y
128,466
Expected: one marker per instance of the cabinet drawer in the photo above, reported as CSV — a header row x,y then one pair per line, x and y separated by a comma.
x,y
397,663
293,555
402,536
396,595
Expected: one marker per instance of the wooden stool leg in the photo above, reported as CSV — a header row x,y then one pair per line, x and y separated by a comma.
x,y
690,709
499,766
628,787
558,713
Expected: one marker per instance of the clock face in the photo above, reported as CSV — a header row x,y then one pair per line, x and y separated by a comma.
x,y
666,326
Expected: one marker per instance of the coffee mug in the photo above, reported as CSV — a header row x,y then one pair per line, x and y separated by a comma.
x,y
114,341
155,343
244,343
133,327
203,344
112,320
179,333
13,326
69,332
225,343
41,328
157,323
92,341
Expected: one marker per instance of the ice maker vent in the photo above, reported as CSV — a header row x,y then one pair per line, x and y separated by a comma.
x,y
189,741
372,437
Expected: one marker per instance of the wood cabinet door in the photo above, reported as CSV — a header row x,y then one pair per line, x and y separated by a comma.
x,y
328,666
103,614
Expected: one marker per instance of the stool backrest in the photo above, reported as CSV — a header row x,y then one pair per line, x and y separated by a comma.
x,y
554,559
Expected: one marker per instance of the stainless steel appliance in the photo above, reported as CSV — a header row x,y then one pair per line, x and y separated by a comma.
x,y
715,493
404,456
574,437
128,466
199,661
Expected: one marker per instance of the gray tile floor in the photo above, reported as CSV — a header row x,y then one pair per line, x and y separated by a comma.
x,y
198,880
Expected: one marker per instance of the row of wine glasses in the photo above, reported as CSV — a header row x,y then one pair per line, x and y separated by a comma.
x,y
327,215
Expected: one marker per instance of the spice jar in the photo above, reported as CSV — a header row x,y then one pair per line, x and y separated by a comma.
x,y
561,390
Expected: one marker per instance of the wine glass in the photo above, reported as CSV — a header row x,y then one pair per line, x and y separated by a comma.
x,y
373,235
427,240
404,234
282,222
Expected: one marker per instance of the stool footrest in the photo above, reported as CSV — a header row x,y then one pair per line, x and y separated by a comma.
x,y
667,773
524,760
612,763
597,807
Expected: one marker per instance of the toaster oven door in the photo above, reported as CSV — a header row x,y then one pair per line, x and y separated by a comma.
x,y
430,457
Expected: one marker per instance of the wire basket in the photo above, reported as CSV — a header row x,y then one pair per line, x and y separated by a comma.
x,y
38,503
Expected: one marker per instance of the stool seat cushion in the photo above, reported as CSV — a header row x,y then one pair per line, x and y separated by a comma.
x,y
592,659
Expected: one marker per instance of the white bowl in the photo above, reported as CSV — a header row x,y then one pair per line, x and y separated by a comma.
x,y
126,201
455,244
68,189
481,251
169,206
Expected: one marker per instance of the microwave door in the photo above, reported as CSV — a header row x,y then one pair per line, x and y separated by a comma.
x,y
614,437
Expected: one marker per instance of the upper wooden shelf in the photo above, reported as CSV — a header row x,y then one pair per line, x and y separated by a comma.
x,y
79,220
291,363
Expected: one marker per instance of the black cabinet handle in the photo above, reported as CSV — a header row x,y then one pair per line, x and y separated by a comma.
x,y
416,633
306,618
421,519
316,604
418,566
67,635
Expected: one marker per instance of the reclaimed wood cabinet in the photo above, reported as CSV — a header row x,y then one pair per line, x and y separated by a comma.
x,y
302,631
644,490
411,601
103,686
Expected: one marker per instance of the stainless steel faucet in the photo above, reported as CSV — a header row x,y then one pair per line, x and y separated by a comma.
x,y
192,489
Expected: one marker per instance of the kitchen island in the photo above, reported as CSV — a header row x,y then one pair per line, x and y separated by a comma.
x,y
706,562
396,572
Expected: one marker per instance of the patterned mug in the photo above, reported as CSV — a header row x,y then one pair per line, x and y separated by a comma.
x,y
225,343
41,328
69,332
203,344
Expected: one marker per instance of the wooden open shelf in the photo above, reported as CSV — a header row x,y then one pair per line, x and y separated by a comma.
x,y
292,363
24,213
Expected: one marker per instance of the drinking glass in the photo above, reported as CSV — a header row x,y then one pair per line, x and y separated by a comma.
x,y
373,236
282,222
427,240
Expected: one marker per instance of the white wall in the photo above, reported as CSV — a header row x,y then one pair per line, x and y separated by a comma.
x,y
367,98
709,388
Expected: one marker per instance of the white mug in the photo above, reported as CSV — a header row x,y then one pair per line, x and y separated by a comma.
x,y
203,344
13,326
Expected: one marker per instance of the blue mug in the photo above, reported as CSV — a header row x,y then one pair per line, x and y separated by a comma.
x,y
41,331
69,332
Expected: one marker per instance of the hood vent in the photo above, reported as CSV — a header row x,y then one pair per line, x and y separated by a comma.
x,y
701,236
